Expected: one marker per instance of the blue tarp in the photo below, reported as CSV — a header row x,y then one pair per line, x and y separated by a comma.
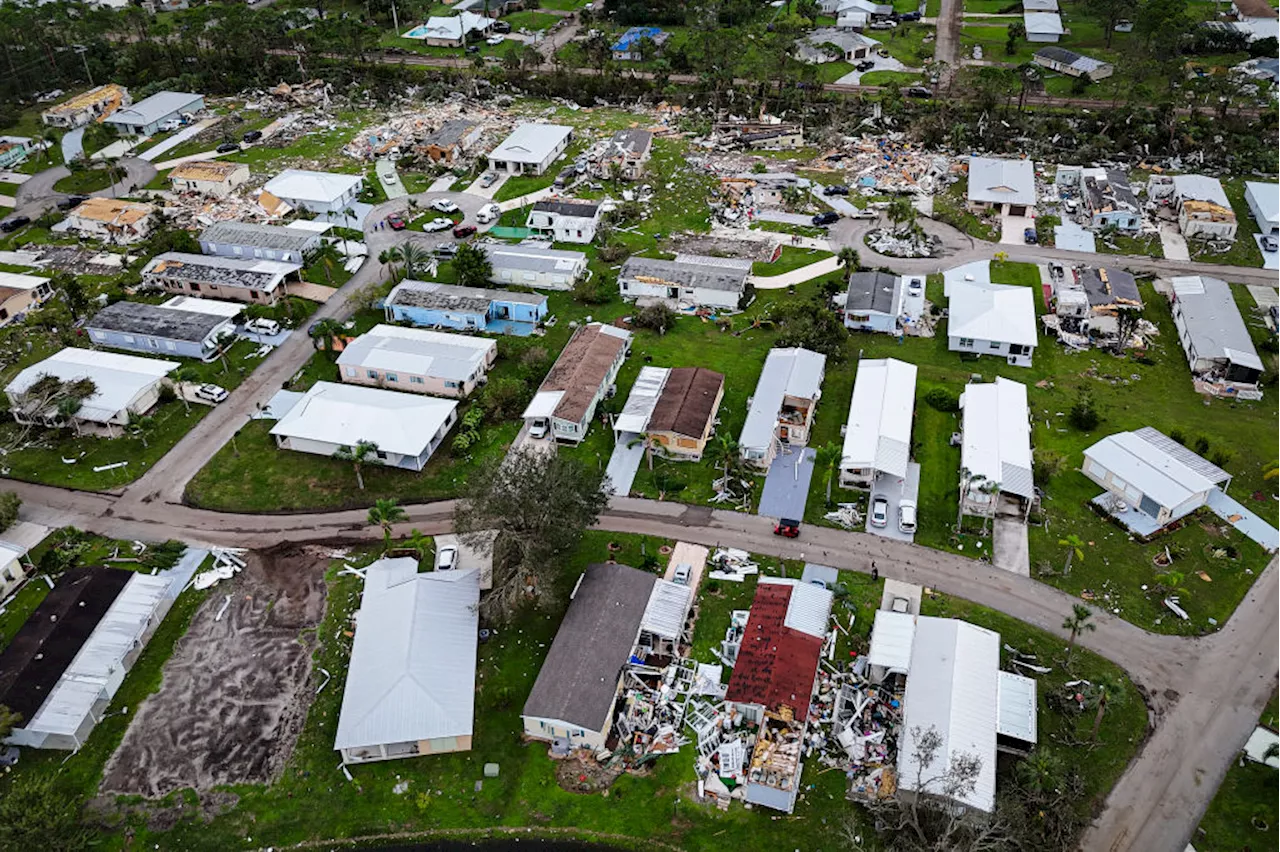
x,y
632,36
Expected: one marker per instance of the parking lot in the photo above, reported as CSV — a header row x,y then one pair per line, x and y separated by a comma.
x,y
895,490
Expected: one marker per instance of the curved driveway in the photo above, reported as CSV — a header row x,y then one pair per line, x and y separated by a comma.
x,y
37,194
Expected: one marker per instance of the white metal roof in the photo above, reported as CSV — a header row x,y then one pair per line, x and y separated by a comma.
x,y
1266,200
1044,23
413,662
18,281
303,185
892,636
520,258
980,310
119,378
1152,471
530,143
642,400
1201,188
993,181
953,689
787,372
1017,707
215,307
997,435
544,404
1212,320
422,352
344,415
103,653
808,607
878,434
667,609
159,106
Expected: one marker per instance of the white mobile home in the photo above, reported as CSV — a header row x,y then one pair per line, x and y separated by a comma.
x,y
784,404
1153,474
125,385
995,447
417,360
689,281
877,438
580,378
530,149
987,318
534,267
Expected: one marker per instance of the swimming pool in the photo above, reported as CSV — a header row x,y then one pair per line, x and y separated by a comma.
x,y
420,31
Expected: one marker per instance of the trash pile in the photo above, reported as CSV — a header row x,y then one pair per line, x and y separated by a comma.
x,y
847,515
890,164
857,728
733,565
226,564
913,243
401,132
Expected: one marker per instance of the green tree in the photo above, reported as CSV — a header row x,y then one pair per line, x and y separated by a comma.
x,y
73,293
420,543
386,513
1080,621
9,505
901,212
326,256
827,459
36,814
181,376
141,427
472,265
325,331
1107,690
1017,30
850,261
1075,550
363,453
542,502
414,259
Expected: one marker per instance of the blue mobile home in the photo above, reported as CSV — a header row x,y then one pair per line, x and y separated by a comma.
x,y
141,327
432,305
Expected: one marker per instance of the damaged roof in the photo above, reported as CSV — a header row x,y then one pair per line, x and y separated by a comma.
x,y
209,170
449,297
579,679
689,273
112,211
579,209
155,321
449,134
873,291
580,371
1110,193
251,274
688,402
1107,286
256,235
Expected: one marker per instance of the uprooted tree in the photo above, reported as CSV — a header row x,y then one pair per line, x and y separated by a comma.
x,y
46,402
542,503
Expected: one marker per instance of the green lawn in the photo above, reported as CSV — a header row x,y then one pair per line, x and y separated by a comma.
x,y
86,181
9,189
1244,814
1148,245
646,810
790,258
906,43
884,78
1244,249
530,20
785,228
949,207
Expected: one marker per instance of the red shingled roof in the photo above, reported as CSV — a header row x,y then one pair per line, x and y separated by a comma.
x,y
776,665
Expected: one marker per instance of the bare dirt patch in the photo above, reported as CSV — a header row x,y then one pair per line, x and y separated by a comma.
x,y
235,691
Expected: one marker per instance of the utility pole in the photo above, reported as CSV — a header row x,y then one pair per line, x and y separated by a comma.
x,y
395,19
82,50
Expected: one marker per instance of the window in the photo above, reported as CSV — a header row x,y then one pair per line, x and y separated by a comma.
x,y
966,342
382,455
994,344
170,345
253,294
859,317
128,338
195,288
530,276
373,374
391,377
351,372
416,380
451,385
257,252
237,251
97,335
624,285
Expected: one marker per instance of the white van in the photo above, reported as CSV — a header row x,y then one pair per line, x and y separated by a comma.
x,y
488,213
262,326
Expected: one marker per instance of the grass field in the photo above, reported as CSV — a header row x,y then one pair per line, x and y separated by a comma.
x,y
1245,813
86,181
790,259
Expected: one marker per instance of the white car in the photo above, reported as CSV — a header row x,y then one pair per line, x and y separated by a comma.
x,y
880,512
495,40
264,327
444,205
488,213
391,178
907,516
212,393
438,224
883,25
538,430
446,558
171,124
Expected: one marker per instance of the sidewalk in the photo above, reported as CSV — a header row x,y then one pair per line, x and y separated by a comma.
x,y
796,276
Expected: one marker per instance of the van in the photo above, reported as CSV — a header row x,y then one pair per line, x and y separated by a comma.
x,y
262,326
488,213
907,516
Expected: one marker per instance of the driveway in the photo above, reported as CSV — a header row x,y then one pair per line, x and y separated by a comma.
x,y
487,191
623,465
786,486
895,489
883,63
1270,259
267,339
1012,229
784,218
38,194
1173,243
390,179
72,144
1009,549
154,152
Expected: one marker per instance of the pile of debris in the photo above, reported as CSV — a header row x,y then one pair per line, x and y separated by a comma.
x,y
913,243
226,564
733,565
892,165
847,515
857,729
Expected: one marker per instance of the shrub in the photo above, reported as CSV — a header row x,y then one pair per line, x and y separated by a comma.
x,y
658,317
1084,413
941,399
1221,458
1045,465
1177,435
9,504
1202,445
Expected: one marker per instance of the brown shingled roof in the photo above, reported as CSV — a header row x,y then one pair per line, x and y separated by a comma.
x,y
1255,9
688,402
581,369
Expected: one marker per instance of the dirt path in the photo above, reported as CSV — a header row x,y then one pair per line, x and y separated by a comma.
x,y
235,691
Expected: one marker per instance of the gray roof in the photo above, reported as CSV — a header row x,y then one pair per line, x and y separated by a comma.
x,y
1201,188
630,141
1119,288
1002,181
452,131
159,106
1080,62
249,273
579,679
707,276
155,321
1213,321
787,372
533,258
872,291
531,143
451,297
1146,462
1113,192
581,209
254,235
413,662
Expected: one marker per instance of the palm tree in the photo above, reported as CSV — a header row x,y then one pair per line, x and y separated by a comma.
x,y
181,376
363,453
724,450
1040,772
901,211
384,513
1107,690
347,215
413,257
141,427
851,262
1080,621
68,408
826,459
326,257
1075,550
225,340
325,331
420,542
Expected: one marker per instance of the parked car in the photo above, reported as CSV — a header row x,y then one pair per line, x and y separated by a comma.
x,y
865,65
396,221
488,213
213,393
882,52
882,25
13,223
835,189
438,224
830,217
489,179
787,527
919,92
71,201
880,512
471,49
228,147
252,136
909,16
463,231
539,430
262,325
444,205
1056,270
446,558
445,250
170,125
1270,243
1029,236
681,575
907,516
391,177
501,27
495,40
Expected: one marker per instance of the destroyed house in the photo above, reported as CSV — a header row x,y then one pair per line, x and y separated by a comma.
x,y
85,107
874,302
773,682
263,242
565,221
1110,200
1213,334
14,149
535,267
580,378
571,703
1201,203
784,404
208,177
449,141
411,683
676,408
689,281
1068,61
625,152
254,281
154,328
429,304
1109,289
110,219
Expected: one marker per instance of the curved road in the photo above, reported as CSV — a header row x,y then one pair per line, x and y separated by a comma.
x,y
37,194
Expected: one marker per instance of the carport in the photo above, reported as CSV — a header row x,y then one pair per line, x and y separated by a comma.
x,y
786,486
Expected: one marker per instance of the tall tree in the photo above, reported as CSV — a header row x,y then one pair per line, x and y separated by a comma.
x,y
827,459
326,256
1075,550
10,503
542,503
385,513
1109,13
359,455
850,261
472,266
1080,621
35,813
325,331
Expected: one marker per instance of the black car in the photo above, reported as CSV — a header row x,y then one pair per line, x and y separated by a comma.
x,y
471,48
13,223
919,92
228,147
828,218
909,16
71,201
502,27
865,65
252,136
835,189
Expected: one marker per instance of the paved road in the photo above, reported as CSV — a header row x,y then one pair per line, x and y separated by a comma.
x,y
37,194
1205,693
947,47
